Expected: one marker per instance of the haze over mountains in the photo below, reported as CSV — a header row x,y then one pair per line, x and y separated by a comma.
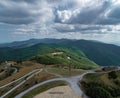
x,y
30,42
33,41
101,53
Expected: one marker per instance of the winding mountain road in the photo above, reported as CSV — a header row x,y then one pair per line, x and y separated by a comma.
x,y
20,78
72,81
30,75
15,70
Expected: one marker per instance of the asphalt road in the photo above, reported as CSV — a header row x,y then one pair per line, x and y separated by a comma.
x,y
19,78
38,71
72,81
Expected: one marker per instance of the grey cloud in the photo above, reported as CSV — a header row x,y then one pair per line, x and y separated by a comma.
x,y
56,11
114,13
112,17
24,11
63,17
91,15
86,29
9,13
14,12
109,21
88,19
65,28
29,1
17,20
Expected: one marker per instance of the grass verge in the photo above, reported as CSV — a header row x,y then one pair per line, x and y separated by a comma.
x,y
65,72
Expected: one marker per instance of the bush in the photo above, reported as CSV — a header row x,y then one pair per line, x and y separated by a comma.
x,y
112,75
98,92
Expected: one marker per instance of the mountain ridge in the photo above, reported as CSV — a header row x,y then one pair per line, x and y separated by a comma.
x,y
101,53
30,42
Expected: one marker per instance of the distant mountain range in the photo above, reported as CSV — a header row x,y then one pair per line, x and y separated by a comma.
x,y
30,42
101,53
22,44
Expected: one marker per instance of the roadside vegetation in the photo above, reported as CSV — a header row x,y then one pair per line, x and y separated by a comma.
x,y
4,73
6,70
102,85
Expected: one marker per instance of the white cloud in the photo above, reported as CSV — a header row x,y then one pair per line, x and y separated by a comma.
x,y
64,16
25,13
76,19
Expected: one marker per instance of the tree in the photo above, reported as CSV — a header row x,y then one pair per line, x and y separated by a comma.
x,y
98,92
112,75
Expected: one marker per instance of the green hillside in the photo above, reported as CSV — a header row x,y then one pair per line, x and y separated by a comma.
x,y
101,53
60,57
42,53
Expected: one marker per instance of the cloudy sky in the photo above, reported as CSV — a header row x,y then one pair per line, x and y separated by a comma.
x,y
74,19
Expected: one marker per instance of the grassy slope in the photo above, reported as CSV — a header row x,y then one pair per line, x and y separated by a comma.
x,y
111,85
77,61
102,54
78,58
25,68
